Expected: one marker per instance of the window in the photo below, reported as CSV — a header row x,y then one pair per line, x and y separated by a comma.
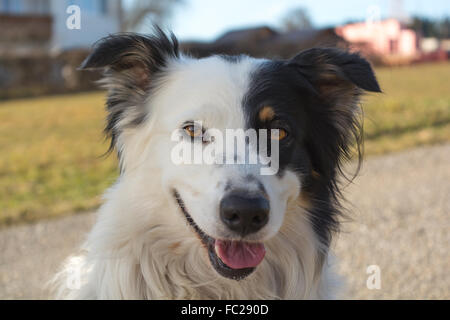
x,y
25,6
38,7
11,6
99,7
393,46
103,4
4,5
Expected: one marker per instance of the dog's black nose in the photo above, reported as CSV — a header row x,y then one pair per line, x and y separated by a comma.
x,y
244,214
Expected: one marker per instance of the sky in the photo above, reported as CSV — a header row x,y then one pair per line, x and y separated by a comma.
x,y
208,19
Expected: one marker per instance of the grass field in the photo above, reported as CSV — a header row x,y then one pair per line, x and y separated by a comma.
x,y
51,147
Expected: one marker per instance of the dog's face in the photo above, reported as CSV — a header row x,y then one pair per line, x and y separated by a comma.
x,y
305,108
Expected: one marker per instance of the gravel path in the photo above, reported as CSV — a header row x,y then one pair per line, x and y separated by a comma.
x,y
400,223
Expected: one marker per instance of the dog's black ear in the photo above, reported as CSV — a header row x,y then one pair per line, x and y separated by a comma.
x,y
328,67
133,56
130,63
337,78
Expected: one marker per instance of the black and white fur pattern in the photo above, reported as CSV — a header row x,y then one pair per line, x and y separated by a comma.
x,y
147,242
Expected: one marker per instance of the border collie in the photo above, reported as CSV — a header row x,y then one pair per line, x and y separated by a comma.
x,y
219,231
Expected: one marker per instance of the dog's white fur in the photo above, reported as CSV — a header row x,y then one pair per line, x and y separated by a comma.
x,y
141,246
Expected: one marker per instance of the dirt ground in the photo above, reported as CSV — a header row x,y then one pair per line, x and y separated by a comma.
x,y
400,210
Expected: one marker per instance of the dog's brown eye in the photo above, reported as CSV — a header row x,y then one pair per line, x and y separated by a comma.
x,y
280,136
193,131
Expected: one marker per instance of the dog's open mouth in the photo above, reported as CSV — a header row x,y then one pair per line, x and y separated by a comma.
x,y
230,258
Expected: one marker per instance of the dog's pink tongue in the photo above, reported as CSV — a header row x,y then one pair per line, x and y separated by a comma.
x,y
238,254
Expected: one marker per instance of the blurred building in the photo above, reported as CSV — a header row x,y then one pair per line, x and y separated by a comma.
x,y
428,45
388,39
434,49
28,25
39,52
265,42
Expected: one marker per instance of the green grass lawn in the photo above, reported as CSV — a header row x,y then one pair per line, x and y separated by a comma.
x,y
51,147
414,108
50,161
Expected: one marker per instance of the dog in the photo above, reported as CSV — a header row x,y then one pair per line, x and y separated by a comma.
x,y
219,231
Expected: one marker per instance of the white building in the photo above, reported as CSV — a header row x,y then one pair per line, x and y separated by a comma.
x,y
98,18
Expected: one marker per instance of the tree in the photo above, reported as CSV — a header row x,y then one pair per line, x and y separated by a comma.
x,y
138,12
297,19
431,27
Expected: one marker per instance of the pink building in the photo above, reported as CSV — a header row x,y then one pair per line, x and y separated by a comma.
x,y
387,38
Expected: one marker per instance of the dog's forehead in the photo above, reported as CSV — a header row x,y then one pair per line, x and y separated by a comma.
x,y
219,69
210,89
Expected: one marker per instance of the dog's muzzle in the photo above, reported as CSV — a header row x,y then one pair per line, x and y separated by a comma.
x,y
243,215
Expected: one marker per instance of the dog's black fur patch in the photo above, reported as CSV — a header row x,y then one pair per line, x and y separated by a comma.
x,y
315,97
132,63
